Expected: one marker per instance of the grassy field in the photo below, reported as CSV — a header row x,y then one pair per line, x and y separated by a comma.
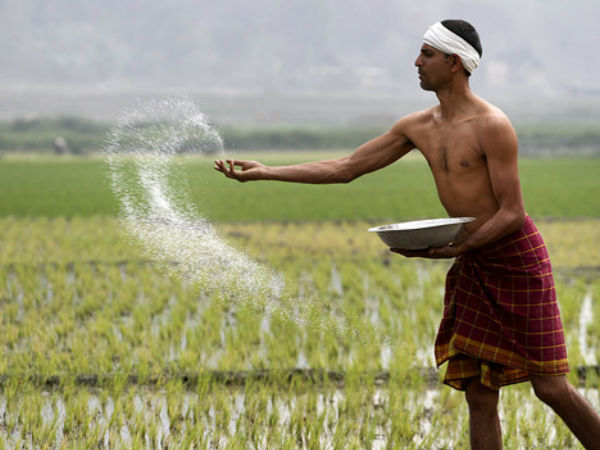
x,y
102,348
69,187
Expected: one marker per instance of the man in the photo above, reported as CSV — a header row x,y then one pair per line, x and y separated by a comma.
x,y
501,323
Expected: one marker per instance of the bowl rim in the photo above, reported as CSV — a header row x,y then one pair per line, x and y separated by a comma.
x,y
414,225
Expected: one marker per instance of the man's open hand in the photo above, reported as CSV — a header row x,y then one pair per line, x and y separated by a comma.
x,y
250,170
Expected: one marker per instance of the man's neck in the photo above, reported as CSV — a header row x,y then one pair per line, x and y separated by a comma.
x,y
456,100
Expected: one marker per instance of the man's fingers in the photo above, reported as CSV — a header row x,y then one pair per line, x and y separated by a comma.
x,y
218,165
228,168
412,253
231,168
221,166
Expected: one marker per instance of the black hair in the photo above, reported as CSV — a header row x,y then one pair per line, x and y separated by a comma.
x,y
466,31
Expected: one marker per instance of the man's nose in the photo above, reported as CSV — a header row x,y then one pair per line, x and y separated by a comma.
x,y
418,61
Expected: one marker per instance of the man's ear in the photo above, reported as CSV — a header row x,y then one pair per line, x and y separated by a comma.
x,y
454,63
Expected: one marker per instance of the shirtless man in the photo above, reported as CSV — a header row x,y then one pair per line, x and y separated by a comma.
x,y
471,148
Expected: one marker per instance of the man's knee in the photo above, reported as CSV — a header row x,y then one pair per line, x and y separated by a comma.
x,y
480,398
551,389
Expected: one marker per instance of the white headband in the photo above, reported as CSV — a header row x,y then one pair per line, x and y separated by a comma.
x,y
440,37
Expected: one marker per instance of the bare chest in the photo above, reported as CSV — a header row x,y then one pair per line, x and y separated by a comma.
x,y
452,152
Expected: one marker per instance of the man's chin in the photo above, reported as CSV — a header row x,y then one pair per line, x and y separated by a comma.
x,y
425,86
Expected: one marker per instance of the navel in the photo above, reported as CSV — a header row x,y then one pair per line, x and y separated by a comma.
x,y
464,163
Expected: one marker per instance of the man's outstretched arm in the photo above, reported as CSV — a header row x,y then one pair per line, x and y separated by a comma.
x,y
373,155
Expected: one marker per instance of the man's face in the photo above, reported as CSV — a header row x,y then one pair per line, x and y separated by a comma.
x,y
434,69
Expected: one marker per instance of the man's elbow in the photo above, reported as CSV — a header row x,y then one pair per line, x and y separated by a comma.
x,y
516,218
347,172
346,177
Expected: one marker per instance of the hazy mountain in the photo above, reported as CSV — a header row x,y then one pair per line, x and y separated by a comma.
x,y
537,48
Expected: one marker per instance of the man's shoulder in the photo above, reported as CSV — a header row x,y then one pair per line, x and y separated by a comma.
x,y
492,117
415,118
494,130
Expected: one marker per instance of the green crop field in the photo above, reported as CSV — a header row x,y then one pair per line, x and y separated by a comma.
x,y
68,187
102,347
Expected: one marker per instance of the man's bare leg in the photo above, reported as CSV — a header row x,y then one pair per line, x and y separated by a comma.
x,y
573,409
484,422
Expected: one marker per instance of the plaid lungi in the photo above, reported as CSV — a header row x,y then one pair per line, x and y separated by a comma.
x,y
501,320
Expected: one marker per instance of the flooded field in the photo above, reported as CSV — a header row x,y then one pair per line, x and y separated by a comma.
x,y
261,416
103,349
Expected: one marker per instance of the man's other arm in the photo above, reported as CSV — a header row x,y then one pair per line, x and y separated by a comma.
x,y
500,145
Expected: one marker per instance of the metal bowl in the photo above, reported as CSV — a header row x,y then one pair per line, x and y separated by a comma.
x,y
421,234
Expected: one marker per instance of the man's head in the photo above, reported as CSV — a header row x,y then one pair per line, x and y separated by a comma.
x,y
457,42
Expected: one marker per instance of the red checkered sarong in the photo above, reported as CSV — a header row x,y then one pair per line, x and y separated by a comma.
x,y
501,320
